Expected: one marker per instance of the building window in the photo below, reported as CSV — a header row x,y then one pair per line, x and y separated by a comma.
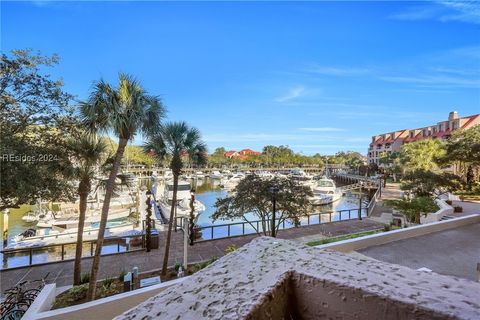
x,y
455,125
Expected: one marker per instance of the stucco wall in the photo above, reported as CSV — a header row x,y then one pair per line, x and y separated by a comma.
x,y
273,279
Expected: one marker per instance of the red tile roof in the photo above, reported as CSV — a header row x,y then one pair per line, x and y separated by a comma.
x,y
472,118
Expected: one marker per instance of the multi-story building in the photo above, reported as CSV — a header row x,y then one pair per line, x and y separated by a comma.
x,y
393,141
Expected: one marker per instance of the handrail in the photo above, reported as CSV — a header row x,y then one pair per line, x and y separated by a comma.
x,y
113,239
373,201
258,222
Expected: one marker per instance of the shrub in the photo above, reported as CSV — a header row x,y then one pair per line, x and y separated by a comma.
x,y
108,281
231,248
387,227
457,209
449,202
85,278
122,275
177,266
106,290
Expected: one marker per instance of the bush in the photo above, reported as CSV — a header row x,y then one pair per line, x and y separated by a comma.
x,y
108,281
231,248
387,227
177,266
85,278
457,209
122,275
106,290
449,202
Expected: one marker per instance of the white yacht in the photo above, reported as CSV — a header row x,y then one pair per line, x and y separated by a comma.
x,y
182,207
215,175
168,175
232,182
199,175
325,192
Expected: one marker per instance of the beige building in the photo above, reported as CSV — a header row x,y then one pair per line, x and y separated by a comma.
x,y
392,141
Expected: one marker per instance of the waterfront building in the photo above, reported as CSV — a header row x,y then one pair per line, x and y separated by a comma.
x,y
242,154
392,141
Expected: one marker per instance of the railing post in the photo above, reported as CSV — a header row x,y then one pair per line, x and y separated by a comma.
x,y
31,256
118,245
228,233
330,214
283,224
308,219
63,251
243,228
212,232
91,249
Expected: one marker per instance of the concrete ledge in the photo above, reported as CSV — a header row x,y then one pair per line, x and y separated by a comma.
x,y
399,234
278,279
43,302
106,308
444,210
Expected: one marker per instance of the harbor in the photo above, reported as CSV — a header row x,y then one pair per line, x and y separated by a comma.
x,y
129,234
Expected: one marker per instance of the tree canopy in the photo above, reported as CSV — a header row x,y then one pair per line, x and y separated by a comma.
x,y
35,123
291,202
423,154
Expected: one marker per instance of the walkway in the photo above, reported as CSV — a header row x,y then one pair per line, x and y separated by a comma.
x,y
113,265
451,252
390,192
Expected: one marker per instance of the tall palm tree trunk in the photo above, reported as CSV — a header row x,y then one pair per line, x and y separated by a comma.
x,y
83,190
170,224
103,221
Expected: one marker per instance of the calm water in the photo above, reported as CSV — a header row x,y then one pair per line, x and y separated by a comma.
x,y
208,191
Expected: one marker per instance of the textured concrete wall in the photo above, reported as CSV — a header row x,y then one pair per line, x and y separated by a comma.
x,y
275,279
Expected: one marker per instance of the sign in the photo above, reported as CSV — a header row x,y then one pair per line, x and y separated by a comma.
x,y
150,281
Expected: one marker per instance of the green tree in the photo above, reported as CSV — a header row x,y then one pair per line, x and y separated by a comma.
x,y
463,151
35,121
89,153
426,183
414,208
291,202
423,154
125,110
173,139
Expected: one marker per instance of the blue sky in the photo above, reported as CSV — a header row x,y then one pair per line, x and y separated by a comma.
x,y
317,76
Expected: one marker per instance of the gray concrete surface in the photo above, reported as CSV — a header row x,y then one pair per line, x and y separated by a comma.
x,y
453,252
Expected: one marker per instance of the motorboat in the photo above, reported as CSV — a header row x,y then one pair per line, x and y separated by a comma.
x,y
298,174
168,175
324,192
232,182
199,175
182,206
215,175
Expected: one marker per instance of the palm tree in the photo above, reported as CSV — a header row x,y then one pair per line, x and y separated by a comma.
x,y
125,111
88,153
175,139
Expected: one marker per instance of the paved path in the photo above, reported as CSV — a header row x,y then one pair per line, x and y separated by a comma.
x,y
453,252
391,191
113,265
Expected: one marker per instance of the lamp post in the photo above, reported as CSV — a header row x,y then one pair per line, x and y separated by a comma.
x,y
192,217
273,191
148,222
361,199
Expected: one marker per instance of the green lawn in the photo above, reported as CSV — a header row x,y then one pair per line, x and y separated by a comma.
x,y
343,237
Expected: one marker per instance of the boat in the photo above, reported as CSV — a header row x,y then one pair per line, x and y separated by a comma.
x,y
232,182
324,192
298,174
215,175
182,206
168,175
199,175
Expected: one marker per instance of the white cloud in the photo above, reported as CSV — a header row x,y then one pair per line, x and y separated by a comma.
x,y
335,71
292,94
444,11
